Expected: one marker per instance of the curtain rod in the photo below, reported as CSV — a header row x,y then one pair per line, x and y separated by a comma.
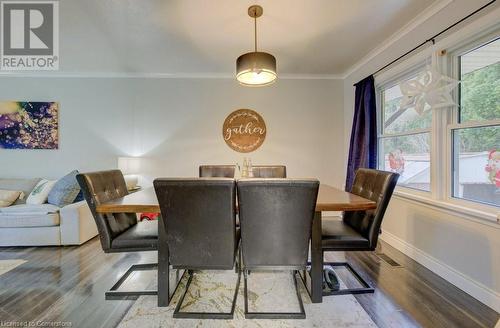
x,y
433,38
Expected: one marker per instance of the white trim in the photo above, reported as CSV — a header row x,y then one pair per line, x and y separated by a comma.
x,y
483,26
489,218
477,290
404,134
118,75
474,124
421,18
311,76
451,179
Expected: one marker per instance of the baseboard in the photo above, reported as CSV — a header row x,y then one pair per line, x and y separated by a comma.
x,y
477,290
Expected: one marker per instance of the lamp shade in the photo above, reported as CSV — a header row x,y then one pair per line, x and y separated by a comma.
x,y
129,165
256,69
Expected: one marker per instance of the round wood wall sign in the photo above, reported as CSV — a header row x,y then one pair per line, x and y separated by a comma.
x,y
244,130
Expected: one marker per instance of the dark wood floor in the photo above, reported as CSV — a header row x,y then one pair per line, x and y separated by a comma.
x,y
67,284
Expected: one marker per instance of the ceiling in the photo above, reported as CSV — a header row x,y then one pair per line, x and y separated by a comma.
x,y
315,37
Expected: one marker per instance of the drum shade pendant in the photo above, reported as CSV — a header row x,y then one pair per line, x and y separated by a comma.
x,y
256,68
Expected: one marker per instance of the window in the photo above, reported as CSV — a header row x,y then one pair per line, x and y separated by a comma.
x,y
404,139
476,136
449,156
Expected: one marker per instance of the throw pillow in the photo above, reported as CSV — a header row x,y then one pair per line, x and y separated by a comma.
x,y
40,193
7,197
79,197
65,190
24,185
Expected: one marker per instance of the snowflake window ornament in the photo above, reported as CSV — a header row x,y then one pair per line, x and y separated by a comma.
x,y
429,90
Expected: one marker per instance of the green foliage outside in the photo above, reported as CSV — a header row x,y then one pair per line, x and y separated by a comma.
x,y
480,100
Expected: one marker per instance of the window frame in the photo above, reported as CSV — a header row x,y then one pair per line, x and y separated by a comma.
x,y
454,123
444,122
409,72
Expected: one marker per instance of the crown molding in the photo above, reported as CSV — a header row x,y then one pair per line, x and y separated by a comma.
x,y
421,18
311,76
128,75
113,75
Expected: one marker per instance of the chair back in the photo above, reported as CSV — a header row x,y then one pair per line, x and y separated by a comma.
x,y
377,186
103,186
216,171
200,221
269,171
276,220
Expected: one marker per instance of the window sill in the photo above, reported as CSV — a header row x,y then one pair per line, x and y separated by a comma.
x,y
489,218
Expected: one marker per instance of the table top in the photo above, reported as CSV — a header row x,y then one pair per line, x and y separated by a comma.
x,y
329,199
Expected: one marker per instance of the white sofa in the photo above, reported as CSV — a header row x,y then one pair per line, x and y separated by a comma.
x,y
43,225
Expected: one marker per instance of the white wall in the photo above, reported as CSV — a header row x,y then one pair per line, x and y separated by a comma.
x,y
465,252
177,125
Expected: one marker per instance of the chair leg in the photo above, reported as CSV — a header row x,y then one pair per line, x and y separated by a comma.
x,y
366,289
274,315
115,294
361,290
205,315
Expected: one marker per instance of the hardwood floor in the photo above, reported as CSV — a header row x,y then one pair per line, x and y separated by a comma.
x,y
67,284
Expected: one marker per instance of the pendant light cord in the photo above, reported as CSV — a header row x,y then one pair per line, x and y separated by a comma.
x,y
255,31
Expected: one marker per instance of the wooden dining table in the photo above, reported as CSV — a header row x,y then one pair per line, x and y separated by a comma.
x,y
329,199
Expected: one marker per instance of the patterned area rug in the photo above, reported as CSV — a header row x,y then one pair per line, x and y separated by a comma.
x,y
7,265
268,292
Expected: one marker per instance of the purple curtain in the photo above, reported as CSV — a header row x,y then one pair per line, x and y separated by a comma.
x,y
363,146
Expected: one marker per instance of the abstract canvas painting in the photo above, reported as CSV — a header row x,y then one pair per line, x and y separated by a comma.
x,y
29,125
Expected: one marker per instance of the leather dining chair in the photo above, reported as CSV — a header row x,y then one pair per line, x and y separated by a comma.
x,y
276,218
118,232
359,230
199,217
216,171
269,171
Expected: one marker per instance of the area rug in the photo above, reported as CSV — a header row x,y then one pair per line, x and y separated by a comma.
x,y
268,292
7,265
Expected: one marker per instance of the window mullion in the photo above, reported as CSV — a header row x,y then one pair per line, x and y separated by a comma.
x,y
405,134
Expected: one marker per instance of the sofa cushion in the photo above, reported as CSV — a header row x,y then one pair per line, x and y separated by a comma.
x,y
28,220
40,193
65,190
27,209
7,197
24,185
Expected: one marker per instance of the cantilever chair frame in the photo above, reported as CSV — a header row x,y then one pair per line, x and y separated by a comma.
x,y
391,180
207,315
274,315
190,269
114,293
365,289
295,272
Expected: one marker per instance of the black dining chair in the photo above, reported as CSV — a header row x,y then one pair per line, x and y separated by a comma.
x,y
359,230
269,171
276,218
216,171
199,217
118,232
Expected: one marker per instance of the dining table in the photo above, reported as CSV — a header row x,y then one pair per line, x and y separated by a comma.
x,y
330,199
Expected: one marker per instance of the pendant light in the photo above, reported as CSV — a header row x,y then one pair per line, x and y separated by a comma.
x,y
256,68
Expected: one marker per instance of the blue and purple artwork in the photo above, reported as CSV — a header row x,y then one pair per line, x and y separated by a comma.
x,y
29,125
